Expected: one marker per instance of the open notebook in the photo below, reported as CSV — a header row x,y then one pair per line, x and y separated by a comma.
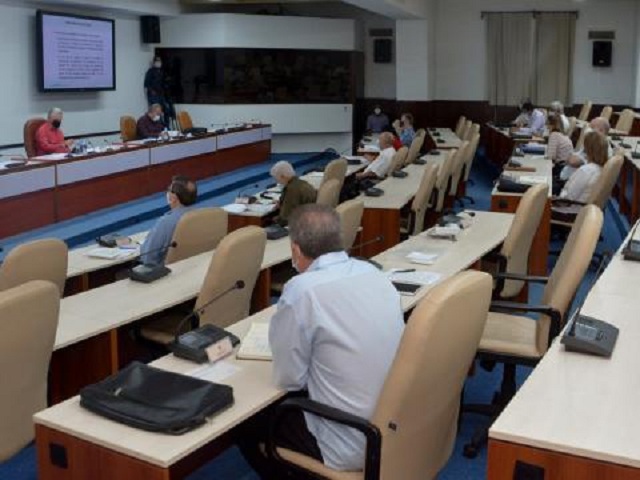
x,y
255,344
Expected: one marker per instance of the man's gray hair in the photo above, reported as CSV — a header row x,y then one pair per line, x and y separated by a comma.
x,y
153,106
557,107
283,169
316,230
602,124
54,111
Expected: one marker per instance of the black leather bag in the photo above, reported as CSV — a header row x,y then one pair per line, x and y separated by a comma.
x,y
156,400
511,186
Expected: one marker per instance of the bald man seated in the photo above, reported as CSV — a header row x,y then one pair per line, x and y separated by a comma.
x,y
379,168
49,137
295,193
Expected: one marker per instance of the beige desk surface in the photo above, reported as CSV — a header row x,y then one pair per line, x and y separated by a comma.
x,y
543,166
399,191
111,306
583,405
633,142
253,389
80,262
447,136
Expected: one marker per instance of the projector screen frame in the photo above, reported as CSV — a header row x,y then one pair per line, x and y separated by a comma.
x,y
40,52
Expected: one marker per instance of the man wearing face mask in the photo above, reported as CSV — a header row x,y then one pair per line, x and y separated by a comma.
x,y
377,122
150,124
181,195
49,137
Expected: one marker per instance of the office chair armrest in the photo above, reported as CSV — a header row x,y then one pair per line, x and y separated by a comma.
x,y
522,278
370,431
552,313
501,263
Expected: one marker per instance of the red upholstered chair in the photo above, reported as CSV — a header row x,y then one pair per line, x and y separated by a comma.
x,y
31,126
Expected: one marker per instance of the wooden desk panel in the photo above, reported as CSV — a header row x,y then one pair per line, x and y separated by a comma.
x,y
196,168
555,466
498,145
26,212
243,156
378,222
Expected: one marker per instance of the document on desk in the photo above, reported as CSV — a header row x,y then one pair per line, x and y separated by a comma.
x,y
255,344
423,258
215,372
417,278
315,174
105,253
532,179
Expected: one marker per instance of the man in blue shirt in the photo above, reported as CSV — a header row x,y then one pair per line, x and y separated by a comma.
x,y
335,334
181,195
404,129
377,122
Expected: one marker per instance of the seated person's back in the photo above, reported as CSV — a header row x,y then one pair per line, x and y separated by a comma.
x,y
559,148
295,192
181,195
150,124
335,333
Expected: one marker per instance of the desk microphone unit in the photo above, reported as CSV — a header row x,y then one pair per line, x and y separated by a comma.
x,y
374,192
147,273
193,345
635,154
589,335
399,174
631,251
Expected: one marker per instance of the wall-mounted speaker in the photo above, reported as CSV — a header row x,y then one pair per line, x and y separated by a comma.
x,y
150,29
602,53
383,50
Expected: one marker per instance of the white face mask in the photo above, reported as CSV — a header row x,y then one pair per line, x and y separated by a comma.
x,y
377,111
156,118
157,65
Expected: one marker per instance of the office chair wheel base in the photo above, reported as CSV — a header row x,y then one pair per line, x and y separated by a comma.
x,y
470,451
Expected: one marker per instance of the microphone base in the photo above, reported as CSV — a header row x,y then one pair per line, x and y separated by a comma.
x,y
148,273
591,336
632,251
193,345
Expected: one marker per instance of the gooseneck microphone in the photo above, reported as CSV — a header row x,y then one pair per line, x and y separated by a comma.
x,y
148,273
195,344
242,193
373,241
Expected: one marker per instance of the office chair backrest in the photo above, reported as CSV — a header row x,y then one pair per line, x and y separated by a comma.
x,y
471,155
625,120
604,186
517,246
198,231
467,128
460,126
336,169
417,412
238,257
458,166
585,111
570,268
420,202
475,128
421,132
350,213
444,177
329,193
415,149
30,129
44,259
128,128
580,142
184,120
607,112
399,159
572,126
29,316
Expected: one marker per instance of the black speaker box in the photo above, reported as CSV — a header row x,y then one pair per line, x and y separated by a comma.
x,y
602,53
382,50
150,28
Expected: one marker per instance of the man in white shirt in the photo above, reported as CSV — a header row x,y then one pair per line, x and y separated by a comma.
x,y
531,121
335,334
379,168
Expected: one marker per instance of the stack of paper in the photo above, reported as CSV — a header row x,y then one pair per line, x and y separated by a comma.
x,y
255,344
417,278
105,253
422,258
532,179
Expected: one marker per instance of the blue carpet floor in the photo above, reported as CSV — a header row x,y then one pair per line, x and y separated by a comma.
x,y
479,388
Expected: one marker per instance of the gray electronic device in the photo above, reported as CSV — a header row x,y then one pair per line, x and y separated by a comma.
x,y
591,336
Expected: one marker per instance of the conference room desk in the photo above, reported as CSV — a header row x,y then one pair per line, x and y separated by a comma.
x,y
576,416
498,144
91,341
508,202
628,186
100,449
56,187
381,220
444,138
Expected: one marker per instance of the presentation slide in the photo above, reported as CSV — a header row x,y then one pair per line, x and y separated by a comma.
x,y
77,53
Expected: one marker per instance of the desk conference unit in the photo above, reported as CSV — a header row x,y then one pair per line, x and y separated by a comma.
x,y
45,192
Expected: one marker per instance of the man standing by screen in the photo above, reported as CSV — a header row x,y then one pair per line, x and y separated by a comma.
x,y
49,137
155,88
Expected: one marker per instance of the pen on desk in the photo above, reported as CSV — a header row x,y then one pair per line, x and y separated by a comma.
x,y
408,270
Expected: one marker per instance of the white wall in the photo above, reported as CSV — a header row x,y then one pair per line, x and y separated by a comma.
x,y
461,49
85,112
301,128
379,78
413,66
